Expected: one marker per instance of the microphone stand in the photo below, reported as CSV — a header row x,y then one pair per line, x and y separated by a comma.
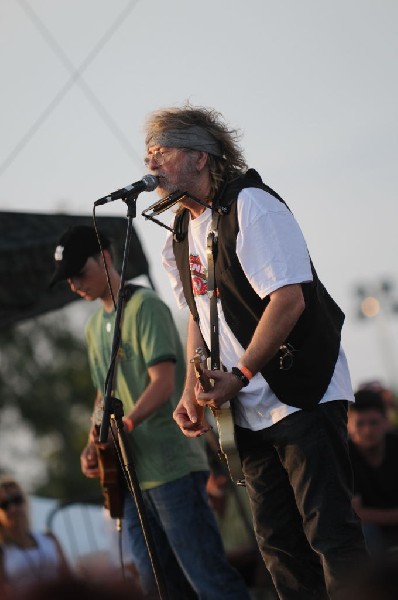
x,y
113,408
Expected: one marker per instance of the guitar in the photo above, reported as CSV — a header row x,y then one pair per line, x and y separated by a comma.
x,y
111,476
226,446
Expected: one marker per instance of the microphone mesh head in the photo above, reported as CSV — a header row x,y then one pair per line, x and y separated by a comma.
x,y
151,182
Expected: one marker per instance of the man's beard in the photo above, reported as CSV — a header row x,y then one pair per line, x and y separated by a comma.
x,y
185,181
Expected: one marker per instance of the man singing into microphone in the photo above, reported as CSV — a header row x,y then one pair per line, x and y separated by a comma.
x,y
172,470
279,336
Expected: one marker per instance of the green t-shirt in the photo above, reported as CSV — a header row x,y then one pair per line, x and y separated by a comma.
x,y
160,452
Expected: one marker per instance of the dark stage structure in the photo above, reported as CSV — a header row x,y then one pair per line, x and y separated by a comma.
x,y
27,244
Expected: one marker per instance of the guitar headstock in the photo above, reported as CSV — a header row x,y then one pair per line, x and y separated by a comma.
x,y
98,412
199,361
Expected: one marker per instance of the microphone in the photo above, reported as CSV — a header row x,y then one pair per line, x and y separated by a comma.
x,y
147,184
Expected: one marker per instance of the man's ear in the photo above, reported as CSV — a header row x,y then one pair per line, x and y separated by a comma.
x,y
108,257
201,160
387,424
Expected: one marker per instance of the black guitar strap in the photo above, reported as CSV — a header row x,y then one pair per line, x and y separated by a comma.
x,y
130,289
215,363
211,253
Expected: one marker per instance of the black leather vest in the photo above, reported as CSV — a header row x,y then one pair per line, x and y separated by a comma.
x,y
315,338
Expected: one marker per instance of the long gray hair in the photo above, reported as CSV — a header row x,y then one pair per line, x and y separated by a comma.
x,y
227,163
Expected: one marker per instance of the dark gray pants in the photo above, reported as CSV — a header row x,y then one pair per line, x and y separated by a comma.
x,y
299,480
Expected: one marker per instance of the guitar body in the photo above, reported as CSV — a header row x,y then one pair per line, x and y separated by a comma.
x,y
227,450
226,435
111,479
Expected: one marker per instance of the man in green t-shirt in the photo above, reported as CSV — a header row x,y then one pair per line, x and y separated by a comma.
x,y
172,469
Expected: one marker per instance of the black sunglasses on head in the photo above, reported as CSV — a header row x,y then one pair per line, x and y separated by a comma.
x,y
17,500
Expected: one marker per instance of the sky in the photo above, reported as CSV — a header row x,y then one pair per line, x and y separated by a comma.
x,y
312,86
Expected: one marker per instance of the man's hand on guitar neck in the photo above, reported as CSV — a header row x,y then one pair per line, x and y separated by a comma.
x,y
89,455
225,386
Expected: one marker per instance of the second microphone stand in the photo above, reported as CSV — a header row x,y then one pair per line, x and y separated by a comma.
x,y
113,408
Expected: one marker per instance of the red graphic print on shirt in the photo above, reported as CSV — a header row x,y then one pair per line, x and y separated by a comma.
x,y
198,275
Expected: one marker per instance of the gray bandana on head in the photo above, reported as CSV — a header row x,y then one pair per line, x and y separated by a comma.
x,y
193,137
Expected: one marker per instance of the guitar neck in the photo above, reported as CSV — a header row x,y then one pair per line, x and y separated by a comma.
x,y
204,381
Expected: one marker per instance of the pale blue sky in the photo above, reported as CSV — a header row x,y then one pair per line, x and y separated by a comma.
x,y
311,84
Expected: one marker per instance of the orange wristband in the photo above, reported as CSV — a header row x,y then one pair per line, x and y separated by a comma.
x,y
129,423
246,372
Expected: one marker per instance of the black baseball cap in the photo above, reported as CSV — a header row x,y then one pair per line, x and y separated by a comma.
x,y
74,247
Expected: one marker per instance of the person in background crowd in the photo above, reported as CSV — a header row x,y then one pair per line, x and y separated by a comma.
x,y
388,397
26,556
374,458
279,334
172,471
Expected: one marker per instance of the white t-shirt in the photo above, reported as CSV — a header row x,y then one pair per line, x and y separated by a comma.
x,y
273,253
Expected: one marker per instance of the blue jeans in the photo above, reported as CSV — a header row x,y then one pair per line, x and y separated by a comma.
x,y
186,540
298,476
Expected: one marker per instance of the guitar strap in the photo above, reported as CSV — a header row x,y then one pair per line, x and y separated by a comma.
x,y
211,253
129,290
215,363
